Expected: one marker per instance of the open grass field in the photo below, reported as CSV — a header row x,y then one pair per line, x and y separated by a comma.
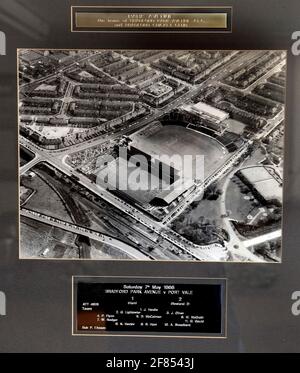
x,y
166,141
39,240
137,183
171,140
45,199
240,202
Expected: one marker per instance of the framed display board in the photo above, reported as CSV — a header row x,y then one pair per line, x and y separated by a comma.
x,y
150,185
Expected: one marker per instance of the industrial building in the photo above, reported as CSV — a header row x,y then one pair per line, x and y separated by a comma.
x,y
264,182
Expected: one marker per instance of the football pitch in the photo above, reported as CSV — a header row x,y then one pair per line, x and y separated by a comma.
x,y
177,140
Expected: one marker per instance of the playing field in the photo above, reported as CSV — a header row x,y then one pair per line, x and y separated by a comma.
x,y
171,140
139,186
159,141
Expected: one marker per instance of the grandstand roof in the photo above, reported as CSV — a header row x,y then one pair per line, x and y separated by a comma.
x,y
201,107
169,195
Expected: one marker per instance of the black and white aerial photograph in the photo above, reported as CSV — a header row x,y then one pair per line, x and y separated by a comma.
x,y
151,155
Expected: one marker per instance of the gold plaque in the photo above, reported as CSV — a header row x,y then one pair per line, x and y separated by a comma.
x,y
120,20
